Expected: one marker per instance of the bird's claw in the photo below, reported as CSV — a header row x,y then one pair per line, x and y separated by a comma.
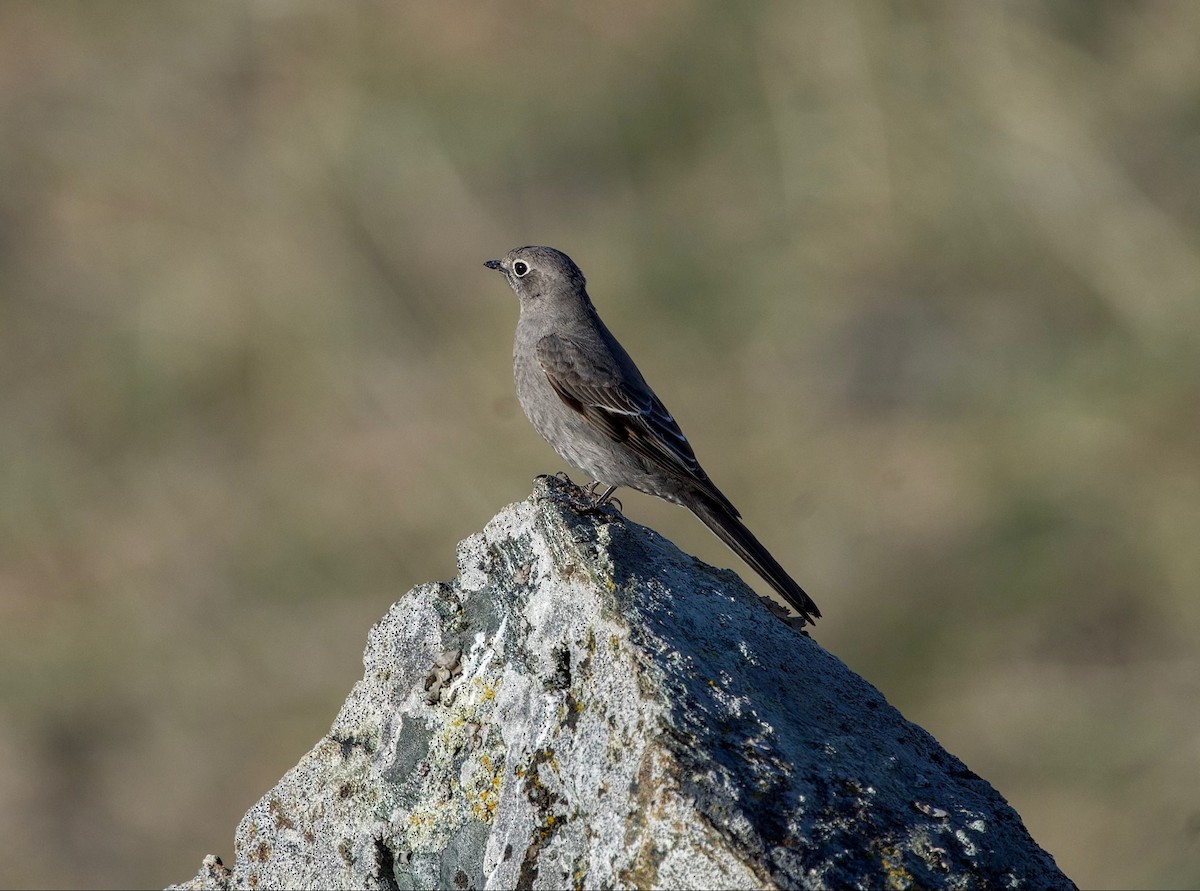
x,y
586,498
596,502
603,498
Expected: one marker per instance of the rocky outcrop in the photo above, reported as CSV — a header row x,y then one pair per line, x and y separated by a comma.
x,y
586,706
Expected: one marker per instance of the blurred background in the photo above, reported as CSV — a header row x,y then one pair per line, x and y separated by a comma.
x,y
921,281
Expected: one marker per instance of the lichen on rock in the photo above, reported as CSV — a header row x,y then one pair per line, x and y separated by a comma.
x,y
586,706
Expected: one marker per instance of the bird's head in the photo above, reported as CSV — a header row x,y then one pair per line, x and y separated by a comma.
x,y
538,273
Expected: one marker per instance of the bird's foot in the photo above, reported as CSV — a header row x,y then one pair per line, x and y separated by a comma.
x,y
585,498
560,475
598,501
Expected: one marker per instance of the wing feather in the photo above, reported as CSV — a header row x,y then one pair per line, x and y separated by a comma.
x,y
625,410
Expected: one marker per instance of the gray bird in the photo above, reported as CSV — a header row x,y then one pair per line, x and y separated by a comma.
x,y
584,395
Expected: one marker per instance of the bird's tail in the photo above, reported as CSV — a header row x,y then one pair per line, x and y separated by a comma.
x,y
731,530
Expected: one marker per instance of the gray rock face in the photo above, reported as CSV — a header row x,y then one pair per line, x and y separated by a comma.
x,y
586,706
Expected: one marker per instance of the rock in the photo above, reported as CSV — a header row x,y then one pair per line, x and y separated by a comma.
x,y
586,706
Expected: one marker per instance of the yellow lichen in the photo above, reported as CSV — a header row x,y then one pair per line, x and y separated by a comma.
x,y
893,867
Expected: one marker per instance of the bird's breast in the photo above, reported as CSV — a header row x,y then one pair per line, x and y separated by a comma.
x,y
577,442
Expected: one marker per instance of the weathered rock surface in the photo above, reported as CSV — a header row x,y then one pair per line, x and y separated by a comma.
x,y
586,706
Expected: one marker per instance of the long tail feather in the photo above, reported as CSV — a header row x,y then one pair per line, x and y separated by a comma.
x,y
741,540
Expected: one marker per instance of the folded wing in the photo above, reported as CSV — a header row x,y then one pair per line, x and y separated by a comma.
x,y
624,409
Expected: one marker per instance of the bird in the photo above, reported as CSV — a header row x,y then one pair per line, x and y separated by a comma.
x,y
583,393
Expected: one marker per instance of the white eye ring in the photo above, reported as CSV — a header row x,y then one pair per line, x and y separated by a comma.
x,y
520,269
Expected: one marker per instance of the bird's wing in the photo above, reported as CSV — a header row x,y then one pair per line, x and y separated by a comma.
x,y
627,411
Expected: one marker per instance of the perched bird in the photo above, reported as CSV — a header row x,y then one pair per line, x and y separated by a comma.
x,y
584,395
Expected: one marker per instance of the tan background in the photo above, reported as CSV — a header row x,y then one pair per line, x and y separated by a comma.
x,y
921,281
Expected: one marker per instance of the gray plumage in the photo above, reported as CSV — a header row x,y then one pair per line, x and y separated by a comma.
x,y
586,397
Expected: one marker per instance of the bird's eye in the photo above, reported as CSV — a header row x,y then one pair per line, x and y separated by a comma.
x,y
520,268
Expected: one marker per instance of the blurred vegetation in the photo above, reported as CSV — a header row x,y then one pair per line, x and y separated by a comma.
x,y
920,280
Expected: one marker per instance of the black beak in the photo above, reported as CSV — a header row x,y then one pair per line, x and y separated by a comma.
x,y
492,264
